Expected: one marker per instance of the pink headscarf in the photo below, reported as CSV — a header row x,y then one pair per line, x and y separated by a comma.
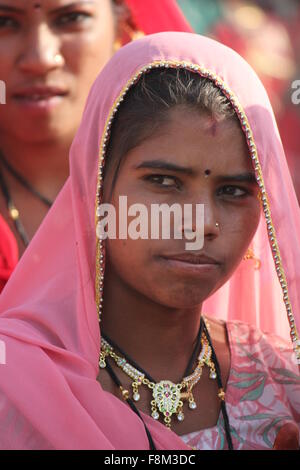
x,y
50,396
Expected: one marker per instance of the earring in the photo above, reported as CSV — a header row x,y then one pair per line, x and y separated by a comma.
x,y
131,33
117,45
250,255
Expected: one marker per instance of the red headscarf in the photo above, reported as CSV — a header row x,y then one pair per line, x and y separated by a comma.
x,y
154,16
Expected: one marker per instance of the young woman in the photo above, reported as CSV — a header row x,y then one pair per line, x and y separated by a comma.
x,y
50,53
180,119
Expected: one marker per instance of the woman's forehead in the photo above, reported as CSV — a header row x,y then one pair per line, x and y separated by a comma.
x,y
193,142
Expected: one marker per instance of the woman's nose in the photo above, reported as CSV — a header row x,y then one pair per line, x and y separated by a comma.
x,y
205,215
41,51
211,222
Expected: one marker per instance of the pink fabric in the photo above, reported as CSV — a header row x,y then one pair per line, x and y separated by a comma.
x,y
48,320
262,393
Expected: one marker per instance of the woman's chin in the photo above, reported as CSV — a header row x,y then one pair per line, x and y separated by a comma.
x,y
186,298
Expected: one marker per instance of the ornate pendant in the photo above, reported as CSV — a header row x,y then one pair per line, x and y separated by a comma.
x,y
167,400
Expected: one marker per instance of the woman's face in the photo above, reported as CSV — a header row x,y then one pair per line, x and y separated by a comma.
x,y
50,53
192,144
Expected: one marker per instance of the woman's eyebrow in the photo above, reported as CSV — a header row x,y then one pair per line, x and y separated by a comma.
x,y
10,9
162,165
248,177
73,5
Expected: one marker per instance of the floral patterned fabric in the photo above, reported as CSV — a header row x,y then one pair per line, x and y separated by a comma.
x,y
262,393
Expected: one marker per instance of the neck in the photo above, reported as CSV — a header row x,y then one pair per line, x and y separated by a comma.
x,y
44,164
159,339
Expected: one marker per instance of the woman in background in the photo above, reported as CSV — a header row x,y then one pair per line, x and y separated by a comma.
x,y
50,53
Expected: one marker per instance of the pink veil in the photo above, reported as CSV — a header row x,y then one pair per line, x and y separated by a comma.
x,y
49,395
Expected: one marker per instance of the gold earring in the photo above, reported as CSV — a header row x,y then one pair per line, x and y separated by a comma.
x,y
250,255
130,32
117,45
259,197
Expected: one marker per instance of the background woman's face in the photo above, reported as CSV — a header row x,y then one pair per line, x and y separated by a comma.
x,y
229,195
62,44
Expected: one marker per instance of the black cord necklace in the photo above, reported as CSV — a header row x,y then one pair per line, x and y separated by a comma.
x,y
203,328
13,211
20,178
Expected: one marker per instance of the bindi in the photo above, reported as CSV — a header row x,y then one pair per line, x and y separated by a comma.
x,y
207,173
37,5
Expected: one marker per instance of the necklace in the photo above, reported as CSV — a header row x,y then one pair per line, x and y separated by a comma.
x,y
125,393
12,210
167,397
20,178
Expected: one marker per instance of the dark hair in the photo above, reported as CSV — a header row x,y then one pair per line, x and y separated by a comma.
x,y
147,104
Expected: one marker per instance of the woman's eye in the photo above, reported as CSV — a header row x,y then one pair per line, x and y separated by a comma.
x,y
7,22
164,180
74,17
233,191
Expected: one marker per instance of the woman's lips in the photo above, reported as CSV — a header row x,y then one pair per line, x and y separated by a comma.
x,y
190,263
39,99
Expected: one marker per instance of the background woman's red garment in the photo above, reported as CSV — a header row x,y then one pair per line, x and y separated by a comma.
x,y
8,252
155,16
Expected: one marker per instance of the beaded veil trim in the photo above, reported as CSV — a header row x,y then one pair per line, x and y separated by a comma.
x,y
100,253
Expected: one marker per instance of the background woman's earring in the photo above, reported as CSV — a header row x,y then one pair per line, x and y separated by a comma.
x,y
250,255
117,45
130,34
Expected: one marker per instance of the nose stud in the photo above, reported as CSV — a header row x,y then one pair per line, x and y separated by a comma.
x,y
217,224
58,59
